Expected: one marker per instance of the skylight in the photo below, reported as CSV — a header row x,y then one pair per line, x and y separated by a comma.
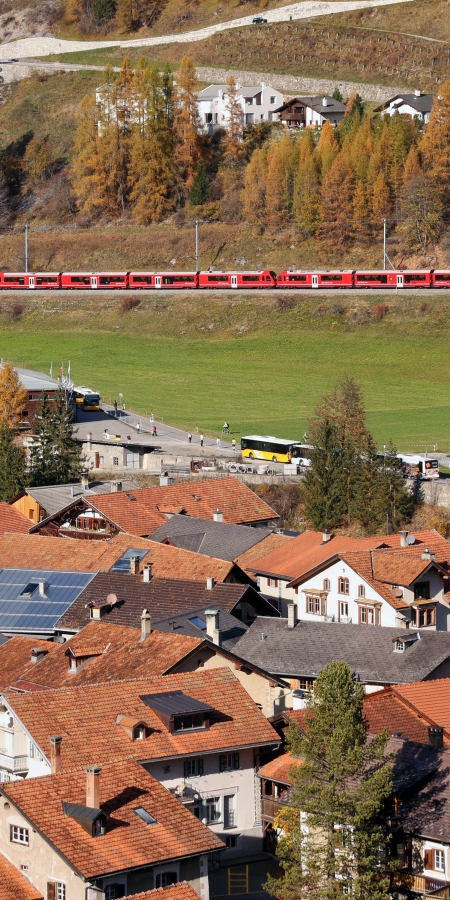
x,y
130,496
199,623
29,589
144,815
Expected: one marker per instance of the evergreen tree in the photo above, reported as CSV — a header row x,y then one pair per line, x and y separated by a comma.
x,y
13,397
55,457
336,95
332,832
200,186
325,484
12,464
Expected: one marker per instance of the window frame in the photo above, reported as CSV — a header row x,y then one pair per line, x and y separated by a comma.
x,y
234,762
212,803
361,591
364,609
439,853
343,585
326,584
422,584
17,832
195,763
341,612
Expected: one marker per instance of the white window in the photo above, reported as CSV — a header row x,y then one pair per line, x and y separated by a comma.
x,y
60,891
439,862
326,584
18,835
212,808
229,811
343,608
164,879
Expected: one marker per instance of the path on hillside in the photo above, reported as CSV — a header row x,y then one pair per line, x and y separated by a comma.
x,y
46,46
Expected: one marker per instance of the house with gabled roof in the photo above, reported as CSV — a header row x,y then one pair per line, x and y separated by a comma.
x,y
14,883
36,503
199,734
416,105
104,832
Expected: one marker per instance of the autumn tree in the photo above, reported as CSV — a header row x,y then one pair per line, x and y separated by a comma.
x,y
380,201
361,217
13,397
336,205
186,125
422,211
254,193
37,161
327,148
151,167
435,145
233,147
274,188
86,166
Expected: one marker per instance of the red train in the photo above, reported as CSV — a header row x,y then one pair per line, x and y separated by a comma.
x,y
288,278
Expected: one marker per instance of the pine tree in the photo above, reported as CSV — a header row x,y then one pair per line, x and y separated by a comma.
x,y
12,464
233,146
324,488
200,186
55,456
336,204
186,124
332,830
13,397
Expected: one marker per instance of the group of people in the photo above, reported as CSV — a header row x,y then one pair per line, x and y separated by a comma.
x,y
225,430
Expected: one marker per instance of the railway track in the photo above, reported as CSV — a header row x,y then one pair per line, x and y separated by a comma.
x,y
275,292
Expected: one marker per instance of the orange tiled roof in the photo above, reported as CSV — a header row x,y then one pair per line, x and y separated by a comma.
x,y
180,891
387,709
431,698
395,568
13,885
279,769
128,841
306,551
248,560
11,520
86,718
15,658
118,654
200,499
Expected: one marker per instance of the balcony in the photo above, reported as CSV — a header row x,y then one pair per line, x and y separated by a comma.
x,y
432,888
271,808
14,763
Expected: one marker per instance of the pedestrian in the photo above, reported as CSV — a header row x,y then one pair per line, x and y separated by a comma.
x,y
123,406
115,407
233,444
201,440
138,427
189,437
152,418
196,428
218,443
154,431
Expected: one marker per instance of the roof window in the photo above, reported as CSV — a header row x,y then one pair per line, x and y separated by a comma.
x,y
29,589
199,623
130,496
178,711
144,815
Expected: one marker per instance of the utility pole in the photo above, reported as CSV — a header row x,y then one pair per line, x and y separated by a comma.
x,y
26,248
384,244
196,245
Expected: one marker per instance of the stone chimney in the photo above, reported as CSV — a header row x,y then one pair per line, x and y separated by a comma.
x,y
326,536
210,583
84,481
324,101
37,654
436,737
218,515
428,555
89,440
55,753
212,626
116,487
93,786
134,564
146,624
146,573
417,93
292,615
72,490
403,536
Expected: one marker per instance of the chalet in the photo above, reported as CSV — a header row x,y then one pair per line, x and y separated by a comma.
x,y
258,104
305,112
411,106
37,503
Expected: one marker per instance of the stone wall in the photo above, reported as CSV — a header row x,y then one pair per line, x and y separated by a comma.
x,y
298,84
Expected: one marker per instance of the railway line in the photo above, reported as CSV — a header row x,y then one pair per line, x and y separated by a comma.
x,y
218,292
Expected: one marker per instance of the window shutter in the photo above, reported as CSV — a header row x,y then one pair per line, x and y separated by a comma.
x,y
236,760
11,832
428,859
186,769
200,767
221,763
323,603
51,890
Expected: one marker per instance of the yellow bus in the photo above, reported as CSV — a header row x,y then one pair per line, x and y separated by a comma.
x,y
85,398
264,446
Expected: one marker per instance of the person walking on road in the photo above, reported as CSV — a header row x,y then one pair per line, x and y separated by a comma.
x,y
189,437
138,427
201,440
115,407
233,444
218,443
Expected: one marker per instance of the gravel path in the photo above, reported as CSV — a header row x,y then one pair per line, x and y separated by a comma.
x,y
46,46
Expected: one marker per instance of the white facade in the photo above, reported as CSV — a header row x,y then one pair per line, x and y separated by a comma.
x,y
258,104
411,105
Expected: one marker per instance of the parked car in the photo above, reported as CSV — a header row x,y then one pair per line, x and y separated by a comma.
x,y
259,20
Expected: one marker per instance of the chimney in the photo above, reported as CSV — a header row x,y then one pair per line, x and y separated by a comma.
x,y
218,515
116,487
42,587
292,615
146,573
55,753
146,624
417,93
134,564
324,101
210,583
403,536
93,786
72,490
212,626
428,555
436,737
165,480
326,536
84,481
37,654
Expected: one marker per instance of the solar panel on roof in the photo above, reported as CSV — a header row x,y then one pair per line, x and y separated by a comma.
x,y
174,703
23,608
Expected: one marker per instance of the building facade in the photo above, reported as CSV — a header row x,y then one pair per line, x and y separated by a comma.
x,y
258,104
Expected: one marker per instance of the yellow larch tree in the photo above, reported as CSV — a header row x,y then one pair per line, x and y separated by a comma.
x,y
13,397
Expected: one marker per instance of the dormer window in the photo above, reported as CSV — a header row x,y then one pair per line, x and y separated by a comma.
x,y
136,729
72,664
139,733
184,723
399,646
178,711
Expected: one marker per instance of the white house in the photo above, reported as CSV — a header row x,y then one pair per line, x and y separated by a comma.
x,y
258,104
409,105
310,112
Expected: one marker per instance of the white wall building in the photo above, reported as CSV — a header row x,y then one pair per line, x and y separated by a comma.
x,y
258,104
409,105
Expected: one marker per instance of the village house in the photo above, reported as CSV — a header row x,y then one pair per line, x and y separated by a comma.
x,y
102,833
310,112
37,503
416,105
258,104
199,734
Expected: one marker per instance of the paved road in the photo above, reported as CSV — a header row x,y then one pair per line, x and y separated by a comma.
x,y
46,46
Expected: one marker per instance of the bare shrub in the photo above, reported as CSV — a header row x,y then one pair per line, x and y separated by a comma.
x,y
129,303
16,311
379,311
423,306
285,303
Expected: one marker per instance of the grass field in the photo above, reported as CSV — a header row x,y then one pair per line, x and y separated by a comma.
x,y
249,361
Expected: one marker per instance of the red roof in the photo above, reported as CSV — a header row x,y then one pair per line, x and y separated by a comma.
x,y
14,886
11,520
128,842
430,698
15,658
180,891
279,769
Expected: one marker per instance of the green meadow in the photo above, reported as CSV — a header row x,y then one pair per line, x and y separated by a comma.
x,y
263,377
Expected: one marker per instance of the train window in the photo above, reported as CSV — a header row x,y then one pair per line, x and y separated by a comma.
x,y
268,278
47,279
177,279
409,277
331,277
142,279
218,278
111,279
441,276
250,278
296,277
80,279
14,280
375,277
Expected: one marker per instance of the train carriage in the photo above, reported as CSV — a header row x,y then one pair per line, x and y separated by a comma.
x,y
441,278
262,279
292,279
30,280
394,279
163,280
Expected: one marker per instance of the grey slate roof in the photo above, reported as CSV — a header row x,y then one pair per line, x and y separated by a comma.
x,y
368,650
232,628
56,497
426,811
212,91
218,539
422,104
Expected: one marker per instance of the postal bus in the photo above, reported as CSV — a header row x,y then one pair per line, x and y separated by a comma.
x,y
264,446
85,398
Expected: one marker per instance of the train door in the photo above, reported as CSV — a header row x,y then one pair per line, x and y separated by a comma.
x,y
314,281
234,281
31,282
94,281
157,281
400,280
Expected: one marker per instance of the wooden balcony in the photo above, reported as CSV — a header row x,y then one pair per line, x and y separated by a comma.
x,y
430,888
271,808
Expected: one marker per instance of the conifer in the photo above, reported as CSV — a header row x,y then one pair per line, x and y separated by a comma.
x,y
55,456
200,186
435,145
336,205
412,165
361,216
186,124
380,201
233,146
274,188
13,475
327,148
254,192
